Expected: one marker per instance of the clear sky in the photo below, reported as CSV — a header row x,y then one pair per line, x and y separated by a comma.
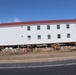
x,y
31,10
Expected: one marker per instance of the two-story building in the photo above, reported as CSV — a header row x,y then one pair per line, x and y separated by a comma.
x,y
38,32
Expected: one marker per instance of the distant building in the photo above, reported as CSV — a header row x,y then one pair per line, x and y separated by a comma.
x,y
38,32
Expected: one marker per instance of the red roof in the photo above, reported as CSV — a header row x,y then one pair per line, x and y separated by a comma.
x,y
38,22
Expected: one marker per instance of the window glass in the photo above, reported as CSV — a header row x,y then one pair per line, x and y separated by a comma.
x,y
68,35
67,26
39,36
49,36
28,27
38,27
58,36
58,26
48,26
29,37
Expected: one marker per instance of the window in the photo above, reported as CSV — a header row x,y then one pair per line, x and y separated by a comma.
x,y
21,26
38,27
28,27
48,26
29,37
21,35
49,36
58,36
67,26
68,35
39,36
58,26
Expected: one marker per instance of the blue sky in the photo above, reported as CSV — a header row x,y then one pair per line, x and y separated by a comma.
x,y
31,10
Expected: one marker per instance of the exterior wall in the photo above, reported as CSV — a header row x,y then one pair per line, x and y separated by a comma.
x,y
17,35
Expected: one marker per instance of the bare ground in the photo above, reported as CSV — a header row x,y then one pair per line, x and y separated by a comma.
x,y
41,55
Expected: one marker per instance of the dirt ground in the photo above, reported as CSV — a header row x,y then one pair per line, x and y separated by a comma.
x,y
40,55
